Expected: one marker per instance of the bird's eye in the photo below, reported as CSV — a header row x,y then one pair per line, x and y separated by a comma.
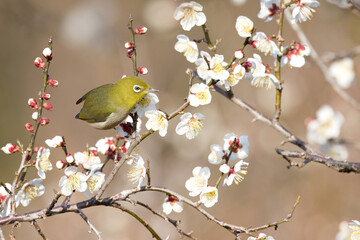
x,y
137,88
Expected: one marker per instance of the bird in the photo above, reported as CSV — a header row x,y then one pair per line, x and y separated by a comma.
x,y
107,106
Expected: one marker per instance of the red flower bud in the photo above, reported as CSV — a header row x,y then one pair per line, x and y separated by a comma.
x,y
39,63
129,45
52,82
46,96
130,53
140,30
29,127
10,148
43,121
142,70
47,53
32,103
47,106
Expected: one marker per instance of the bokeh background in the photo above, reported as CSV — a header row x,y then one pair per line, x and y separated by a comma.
x,y
88,51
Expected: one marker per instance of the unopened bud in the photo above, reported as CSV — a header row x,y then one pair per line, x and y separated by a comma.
x,y
60,164
70,158
10,148
52,82
47,106
129,45
140,30
39,63
130,53
142,70
35,115
44,120
47,53
239,54
46,96
32,103
29,127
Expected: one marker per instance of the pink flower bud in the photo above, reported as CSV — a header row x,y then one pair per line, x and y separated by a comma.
x,y
29,127
10,148
44,120
140,30
60,164
70,158
39,63
46,96
32,103
129,45
47,53
130,53
47,106
52,82
142,70
239,54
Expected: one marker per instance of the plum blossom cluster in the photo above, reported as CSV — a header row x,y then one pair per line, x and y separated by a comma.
x,y
234,148
349,230
325,131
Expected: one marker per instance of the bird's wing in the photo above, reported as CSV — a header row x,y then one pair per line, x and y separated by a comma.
x,y
95,101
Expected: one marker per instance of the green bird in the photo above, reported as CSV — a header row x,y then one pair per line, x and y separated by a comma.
x,y
108,105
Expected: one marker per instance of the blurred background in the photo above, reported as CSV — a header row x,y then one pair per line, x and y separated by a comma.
x,y
88,50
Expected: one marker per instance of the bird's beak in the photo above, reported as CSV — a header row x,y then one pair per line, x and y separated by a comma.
x,y
150,89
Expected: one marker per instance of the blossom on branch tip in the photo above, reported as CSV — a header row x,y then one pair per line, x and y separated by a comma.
x,y
137,171
172,203
72,181
189,14
39,63
55,142
188,47
302,10
209,196
199,181
244,26
199,95
10,148
43,163
29,191
190,125
343,72
47,53
157,121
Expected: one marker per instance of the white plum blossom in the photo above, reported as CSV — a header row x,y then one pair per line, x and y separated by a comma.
x,y
125,128
265,45
262,236
217,70
295,55
89,160
244,26
188,47
190,125
10,148
302,10
72,181
268,9
216,155
326,126
203,66
235,76
137,171
343,72
94,182
29,191
157,121
209,196
235,173
199,181
172,203
55,142
190,15
4,203
254,66
43,163
239,146
148,103
265,80
199,94
104,144
335,151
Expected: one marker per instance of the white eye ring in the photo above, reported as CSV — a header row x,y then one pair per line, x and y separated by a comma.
x,y
137,88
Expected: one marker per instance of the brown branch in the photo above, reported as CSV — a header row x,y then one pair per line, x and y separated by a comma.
x,y
38,229
86,219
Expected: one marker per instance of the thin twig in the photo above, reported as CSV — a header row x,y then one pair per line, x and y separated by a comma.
x,y
1,235
132,40
38,229
92,228
53,202
145,224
